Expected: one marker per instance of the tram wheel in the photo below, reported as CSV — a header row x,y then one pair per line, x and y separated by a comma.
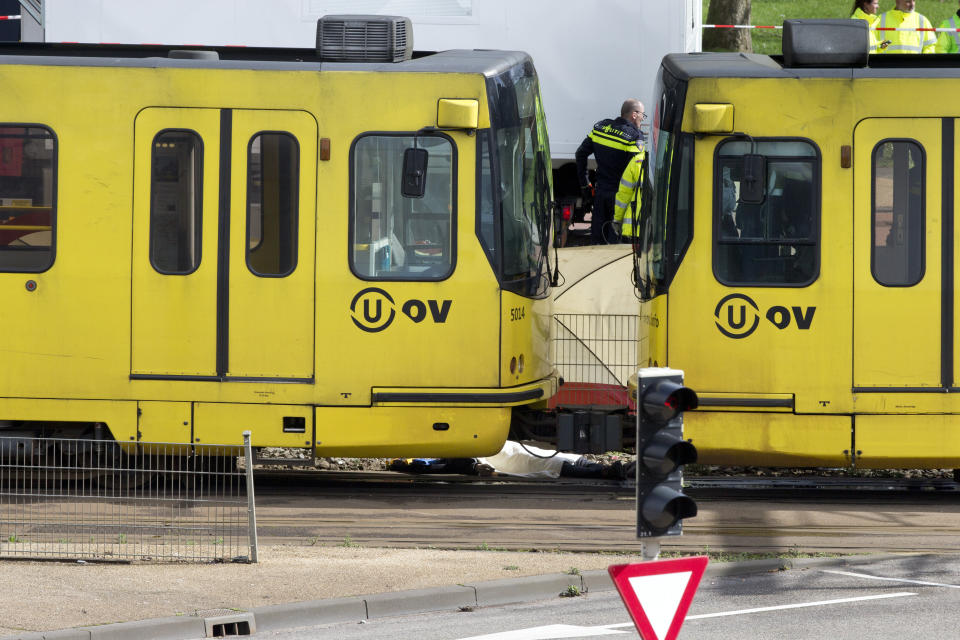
x,y
956,475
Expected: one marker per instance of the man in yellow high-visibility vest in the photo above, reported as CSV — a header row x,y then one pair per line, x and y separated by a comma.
x,y
949,41
626,204
904,16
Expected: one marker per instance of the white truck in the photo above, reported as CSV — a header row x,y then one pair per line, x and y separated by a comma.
x,y
590,56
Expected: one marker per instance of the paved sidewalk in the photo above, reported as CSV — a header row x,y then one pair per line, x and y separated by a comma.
x,y
40,596
293,586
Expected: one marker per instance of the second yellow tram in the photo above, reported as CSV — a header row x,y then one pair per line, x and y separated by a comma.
x,y
801,251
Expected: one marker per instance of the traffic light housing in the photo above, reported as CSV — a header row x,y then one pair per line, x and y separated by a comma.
x,y
662,452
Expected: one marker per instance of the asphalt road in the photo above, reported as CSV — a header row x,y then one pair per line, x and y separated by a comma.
x,y
912,597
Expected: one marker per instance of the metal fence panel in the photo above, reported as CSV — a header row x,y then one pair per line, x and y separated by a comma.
x,y
63,498
595,354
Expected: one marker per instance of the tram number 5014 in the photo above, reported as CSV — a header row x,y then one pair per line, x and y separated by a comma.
x,y
517,313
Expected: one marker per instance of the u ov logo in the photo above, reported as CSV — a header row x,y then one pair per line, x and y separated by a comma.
x,y
737,316
733,322
373,309
376,309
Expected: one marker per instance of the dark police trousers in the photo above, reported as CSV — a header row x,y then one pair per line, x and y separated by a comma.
x,y
601,224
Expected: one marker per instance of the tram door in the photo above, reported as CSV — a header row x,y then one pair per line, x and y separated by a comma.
x,y
272,240
223,244
897,304
174,258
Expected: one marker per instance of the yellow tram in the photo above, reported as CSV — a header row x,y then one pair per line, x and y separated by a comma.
x,y
338,249
801,251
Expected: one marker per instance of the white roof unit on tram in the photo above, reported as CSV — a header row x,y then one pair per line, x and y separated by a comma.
x,y
575,45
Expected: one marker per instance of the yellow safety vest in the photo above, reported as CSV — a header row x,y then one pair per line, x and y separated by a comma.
x,y
906,41
629,193
871,20
948,41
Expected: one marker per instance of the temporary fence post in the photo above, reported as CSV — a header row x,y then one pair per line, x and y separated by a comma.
x,y
251,508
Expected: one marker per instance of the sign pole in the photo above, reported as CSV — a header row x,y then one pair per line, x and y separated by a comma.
x,y
650,550
658,593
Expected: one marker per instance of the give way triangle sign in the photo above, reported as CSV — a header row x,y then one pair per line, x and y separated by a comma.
x,y
658,594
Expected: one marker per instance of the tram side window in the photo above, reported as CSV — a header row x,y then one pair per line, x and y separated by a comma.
x,y
683,229
175,202
897,217
28,160
774,243
486,220
392,236
273,194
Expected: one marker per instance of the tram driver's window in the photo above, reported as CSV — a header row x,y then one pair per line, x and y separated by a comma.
x,y
897,217
393,236
774,242
28,161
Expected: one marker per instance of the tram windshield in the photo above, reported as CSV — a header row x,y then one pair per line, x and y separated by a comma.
x,y
516,183
667,216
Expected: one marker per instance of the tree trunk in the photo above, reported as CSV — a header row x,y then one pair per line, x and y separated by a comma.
x,y
728,12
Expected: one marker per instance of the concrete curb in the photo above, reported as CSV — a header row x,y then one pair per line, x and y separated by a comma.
x,y
399,603
313,612
479,594
173,628
509,590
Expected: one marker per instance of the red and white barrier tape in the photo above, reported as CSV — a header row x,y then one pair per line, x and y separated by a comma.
x,y
771,26
740,26
9,17
912,29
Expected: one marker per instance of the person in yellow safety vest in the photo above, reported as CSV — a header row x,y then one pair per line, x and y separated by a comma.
x,y
903,16
866,10
626,204
949,41
612,143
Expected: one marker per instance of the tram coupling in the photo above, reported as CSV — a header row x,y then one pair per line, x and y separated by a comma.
x,y
588,429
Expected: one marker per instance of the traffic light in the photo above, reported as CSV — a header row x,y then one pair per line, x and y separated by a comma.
x,y
662,452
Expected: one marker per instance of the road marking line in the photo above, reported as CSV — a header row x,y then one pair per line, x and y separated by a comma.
x,y
782,606
865,575
555,631
800,605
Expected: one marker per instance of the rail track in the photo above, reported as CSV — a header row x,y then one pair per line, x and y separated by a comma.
x,y
736,514
703,486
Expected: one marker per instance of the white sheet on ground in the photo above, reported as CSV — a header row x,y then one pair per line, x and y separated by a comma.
x,y
514,460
